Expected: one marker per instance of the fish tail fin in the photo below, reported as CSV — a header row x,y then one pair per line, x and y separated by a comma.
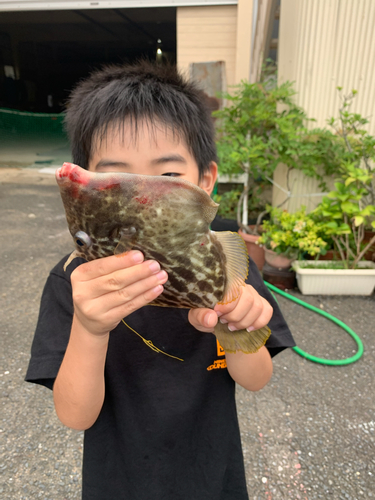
x,y
237,264
241,340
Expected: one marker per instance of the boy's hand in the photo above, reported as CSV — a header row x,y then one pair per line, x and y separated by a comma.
x,y
109,289
249,311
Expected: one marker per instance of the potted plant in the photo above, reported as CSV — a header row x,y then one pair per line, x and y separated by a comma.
x,y
357,163
226,220
343,215
262,127
287,236
347,214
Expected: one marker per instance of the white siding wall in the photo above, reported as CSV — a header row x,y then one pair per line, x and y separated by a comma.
x,y
207,34
324,44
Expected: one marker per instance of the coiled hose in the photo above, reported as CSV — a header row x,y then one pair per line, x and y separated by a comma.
x,y
310,357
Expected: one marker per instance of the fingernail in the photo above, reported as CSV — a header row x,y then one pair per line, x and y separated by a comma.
x,y
161,276
158,289
218,313
250,329
137,257
232,328
223,321
154,266
207,320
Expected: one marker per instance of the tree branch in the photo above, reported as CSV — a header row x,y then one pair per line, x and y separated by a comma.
x,y
367,247
336,241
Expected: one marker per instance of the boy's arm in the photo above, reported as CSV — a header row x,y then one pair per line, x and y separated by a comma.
x,y
104,292
250,311
251,371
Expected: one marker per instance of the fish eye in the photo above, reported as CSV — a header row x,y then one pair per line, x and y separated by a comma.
x,y
82,239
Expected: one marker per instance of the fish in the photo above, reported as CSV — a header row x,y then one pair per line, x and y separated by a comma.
x,y
167,219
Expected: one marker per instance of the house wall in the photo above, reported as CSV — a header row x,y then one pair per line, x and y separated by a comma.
x,y
324,44
207,34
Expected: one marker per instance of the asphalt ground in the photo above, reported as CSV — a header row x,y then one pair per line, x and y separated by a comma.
x,y
308,435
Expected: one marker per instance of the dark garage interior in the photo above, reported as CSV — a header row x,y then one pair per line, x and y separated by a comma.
x,y
44,53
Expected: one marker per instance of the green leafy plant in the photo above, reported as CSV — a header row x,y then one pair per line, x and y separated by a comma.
x,y
263,127
344,215
349,209
293,235
228,203
358,146
321,264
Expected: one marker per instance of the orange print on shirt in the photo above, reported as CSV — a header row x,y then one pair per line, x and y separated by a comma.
x,y
220,350
218,363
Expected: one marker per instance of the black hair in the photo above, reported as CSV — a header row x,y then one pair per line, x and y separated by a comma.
x,y
116,95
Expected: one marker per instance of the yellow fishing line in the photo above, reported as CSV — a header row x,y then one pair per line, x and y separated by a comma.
x,y
150,344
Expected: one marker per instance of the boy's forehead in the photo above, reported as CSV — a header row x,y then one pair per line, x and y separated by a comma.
x,y
131,134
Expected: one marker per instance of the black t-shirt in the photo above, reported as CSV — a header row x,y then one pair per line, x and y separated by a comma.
x,y
168,429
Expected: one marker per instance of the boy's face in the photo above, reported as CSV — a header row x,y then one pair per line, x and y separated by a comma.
x,y
154,151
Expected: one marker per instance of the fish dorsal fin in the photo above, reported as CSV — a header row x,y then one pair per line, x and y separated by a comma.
x,y
237,264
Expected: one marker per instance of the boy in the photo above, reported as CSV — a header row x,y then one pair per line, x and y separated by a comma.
x,y
155,427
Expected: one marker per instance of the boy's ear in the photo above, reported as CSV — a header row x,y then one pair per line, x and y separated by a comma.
x,y
208,179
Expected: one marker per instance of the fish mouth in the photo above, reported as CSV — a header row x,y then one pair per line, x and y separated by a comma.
x,y
72,173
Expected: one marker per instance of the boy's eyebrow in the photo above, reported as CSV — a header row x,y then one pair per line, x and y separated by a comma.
x,y
111,163
169,158
157,161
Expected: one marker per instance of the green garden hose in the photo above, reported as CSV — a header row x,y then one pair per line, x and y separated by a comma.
x,y
334,362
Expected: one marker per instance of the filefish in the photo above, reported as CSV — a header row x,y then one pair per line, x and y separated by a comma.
x,y
168,220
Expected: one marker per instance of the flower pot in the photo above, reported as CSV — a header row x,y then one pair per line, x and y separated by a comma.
x,y
335,281
281,278
370,254
276,260
330,255
256,252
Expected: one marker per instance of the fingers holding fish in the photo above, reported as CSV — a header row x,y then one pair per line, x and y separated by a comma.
x,y
124,280
100,315
102,279
203,319
134,303
107,265
249,311
102,301
147,287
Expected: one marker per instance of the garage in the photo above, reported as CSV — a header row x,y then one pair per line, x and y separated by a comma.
x,y
43,53
47,46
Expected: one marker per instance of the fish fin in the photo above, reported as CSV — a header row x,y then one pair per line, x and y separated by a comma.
x,y
237,264
241,340
123,246
71,257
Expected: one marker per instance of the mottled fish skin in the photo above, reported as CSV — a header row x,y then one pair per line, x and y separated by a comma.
x,y
166,218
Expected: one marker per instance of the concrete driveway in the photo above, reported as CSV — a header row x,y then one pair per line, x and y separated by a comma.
x,y
308,435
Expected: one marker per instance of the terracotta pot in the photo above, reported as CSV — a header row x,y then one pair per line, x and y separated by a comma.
x,y
281,278
256,252
330,255
276,260
370,254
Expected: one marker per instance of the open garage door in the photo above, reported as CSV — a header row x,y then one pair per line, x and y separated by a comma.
x,y
44,53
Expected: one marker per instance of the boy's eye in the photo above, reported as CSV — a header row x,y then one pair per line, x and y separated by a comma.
x,y
171,174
